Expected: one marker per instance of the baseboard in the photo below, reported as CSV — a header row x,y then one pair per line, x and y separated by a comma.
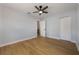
x,y
77,46
53,37
58,38
70,41
17,41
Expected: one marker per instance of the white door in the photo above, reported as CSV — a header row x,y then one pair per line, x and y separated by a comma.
x,y
42,28
65,28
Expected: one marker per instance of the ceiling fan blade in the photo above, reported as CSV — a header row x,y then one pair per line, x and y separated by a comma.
x,y
45,12
35,12
45,8
37,8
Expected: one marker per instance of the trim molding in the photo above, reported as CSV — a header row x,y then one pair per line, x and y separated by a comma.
x,y
61,39
77,46
9,43
53,37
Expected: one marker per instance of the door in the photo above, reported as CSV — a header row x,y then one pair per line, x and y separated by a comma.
x,y
65,28
42,28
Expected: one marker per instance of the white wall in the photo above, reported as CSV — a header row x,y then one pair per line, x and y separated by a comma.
x,y
65,28
42,28
0,24
77,31
53,24
52,27
16,26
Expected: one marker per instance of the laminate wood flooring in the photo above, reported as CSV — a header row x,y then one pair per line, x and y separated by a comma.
x,y
40,46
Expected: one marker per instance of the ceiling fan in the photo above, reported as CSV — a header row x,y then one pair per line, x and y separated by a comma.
x,y
41,10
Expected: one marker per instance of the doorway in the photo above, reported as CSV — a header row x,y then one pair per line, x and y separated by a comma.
x,y
41,28
65,28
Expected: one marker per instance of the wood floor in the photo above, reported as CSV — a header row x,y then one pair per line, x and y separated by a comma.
x,y
40,46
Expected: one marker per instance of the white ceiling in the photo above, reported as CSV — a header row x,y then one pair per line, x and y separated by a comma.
x,y
53,8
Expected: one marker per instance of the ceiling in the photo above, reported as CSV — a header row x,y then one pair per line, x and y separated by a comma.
x,y
53,8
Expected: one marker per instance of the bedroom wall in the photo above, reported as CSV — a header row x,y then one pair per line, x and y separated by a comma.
x,y
0,24
77,31
16,26
53,24
52,27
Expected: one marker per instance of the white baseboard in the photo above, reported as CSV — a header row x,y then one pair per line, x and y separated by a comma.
x,y
61,39
9,43
78,48
70,41
53,37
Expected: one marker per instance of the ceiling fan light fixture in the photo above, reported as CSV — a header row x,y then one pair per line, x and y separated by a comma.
x,y
40,12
